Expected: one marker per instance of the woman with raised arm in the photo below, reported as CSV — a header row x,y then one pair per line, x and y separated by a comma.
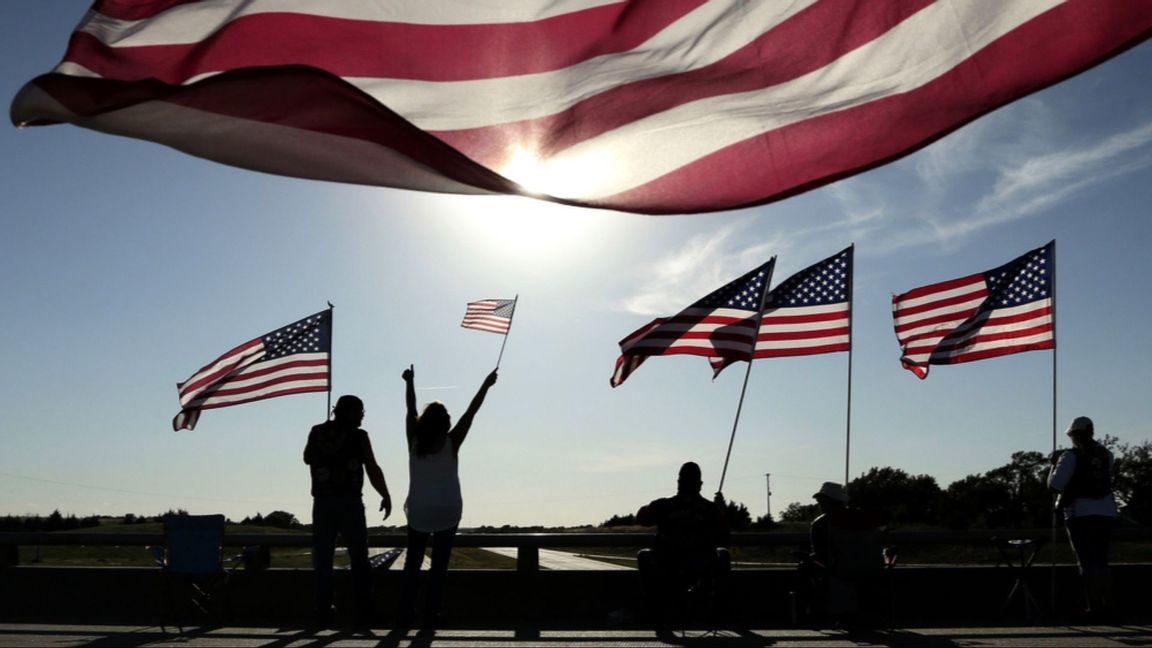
x,y
434,504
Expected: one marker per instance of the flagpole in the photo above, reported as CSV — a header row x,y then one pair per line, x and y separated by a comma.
x,y
751,357
1055,512
327,412
515,301
848,421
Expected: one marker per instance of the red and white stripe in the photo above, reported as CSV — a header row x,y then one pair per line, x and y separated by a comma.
x,y
943,324
481,315
724,332
239,378
638,106
804,331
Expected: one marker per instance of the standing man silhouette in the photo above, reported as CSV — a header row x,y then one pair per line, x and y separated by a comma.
x,y
1083,478
339,453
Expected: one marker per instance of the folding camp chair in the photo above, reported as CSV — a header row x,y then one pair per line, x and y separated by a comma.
x,y
854,588
192,564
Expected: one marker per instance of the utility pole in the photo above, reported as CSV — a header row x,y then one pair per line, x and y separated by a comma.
x,y
768,484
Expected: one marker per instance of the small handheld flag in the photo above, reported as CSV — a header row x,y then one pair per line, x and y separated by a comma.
x,y
492,315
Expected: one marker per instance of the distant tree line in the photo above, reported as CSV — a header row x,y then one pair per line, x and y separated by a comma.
x,y
1014,495
53,522
58,522
739,519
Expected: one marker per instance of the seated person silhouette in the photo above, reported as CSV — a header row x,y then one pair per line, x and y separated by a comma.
x,y
690,554
840,575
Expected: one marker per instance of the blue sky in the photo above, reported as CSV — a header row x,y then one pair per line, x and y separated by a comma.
x,y
125,266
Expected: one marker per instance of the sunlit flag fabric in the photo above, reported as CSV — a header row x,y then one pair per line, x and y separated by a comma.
x,y
999,312
665,106
722,324
807,314
492,315
290,360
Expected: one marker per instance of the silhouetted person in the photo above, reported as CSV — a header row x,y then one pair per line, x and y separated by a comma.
x,y
434,503
1083,477
339,453
691,543
845,560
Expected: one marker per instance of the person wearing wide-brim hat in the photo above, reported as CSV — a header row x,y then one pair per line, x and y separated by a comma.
x,y
1082,476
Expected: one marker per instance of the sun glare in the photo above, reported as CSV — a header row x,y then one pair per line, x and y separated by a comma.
x,y
574,177
530,228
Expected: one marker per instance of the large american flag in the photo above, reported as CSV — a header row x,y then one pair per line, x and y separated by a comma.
x,y
999,312
656,106
492,315
808,313
290,360
722,324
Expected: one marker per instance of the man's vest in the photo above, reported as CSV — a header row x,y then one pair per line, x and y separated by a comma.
x,y
1093,475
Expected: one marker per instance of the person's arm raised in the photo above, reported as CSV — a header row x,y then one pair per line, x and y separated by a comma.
x,y
410,418
460,431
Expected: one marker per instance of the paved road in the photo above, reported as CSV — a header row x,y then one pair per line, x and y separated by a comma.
x,y
552,559
68,636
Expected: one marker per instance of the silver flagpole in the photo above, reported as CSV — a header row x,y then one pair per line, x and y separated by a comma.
x,y
515,302
848,422
332,311
751,357
1055,512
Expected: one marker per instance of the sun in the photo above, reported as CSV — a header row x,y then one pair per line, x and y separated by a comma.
x,y
530,227
572,176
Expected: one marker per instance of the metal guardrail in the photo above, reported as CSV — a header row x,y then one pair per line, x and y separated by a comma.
x,y
529,544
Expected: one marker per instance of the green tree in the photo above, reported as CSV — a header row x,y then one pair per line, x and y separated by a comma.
x,y
797,512
909,499
619,520
1132,481
281,520
739,519
976,501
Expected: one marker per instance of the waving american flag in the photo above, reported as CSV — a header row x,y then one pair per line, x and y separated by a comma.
x,y
807,314
293,359
658,106
999,312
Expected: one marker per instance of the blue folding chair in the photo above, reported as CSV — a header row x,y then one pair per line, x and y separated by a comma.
x,y
192,563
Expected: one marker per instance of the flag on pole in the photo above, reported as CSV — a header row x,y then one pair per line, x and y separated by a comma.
x,y
492,315
290,360
628,105
807,314
999,312
722,324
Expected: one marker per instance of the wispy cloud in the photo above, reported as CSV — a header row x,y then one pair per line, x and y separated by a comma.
x,y
703,264
1008,166
630,461
999,170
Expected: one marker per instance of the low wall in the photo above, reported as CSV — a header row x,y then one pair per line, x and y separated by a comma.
x,y
919,596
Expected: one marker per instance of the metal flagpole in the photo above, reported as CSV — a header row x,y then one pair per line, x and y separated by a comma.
x,y
1055,512
751,357
328,412
515,301
848,422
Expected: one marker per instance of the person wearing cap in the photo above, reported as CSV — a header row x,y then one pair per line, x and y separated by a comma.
x,y
1082,475
837,577
691,541
338,454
